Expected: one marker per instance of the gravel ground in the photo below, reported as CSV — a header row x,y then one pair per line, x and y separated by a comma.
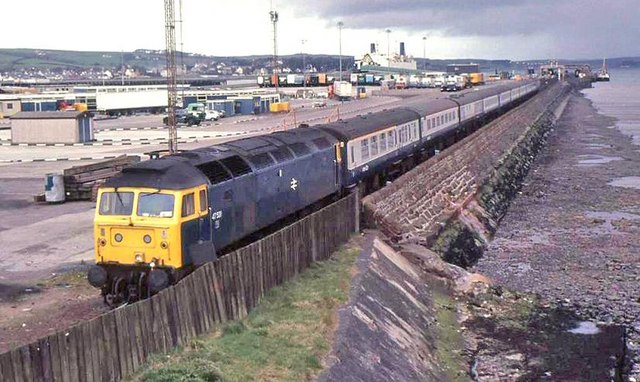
x,y
573,235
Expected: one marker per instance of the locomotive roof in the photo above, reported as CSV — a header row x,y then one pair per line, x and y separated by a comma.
x,y
367,123
171,173
222,162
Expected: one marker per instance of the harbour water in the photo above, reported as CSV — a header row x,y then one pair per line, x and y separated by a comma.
x,y
619,98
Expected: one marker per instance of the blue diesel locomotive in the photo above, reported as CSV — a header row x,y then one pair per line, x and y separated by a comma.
x,y
158,220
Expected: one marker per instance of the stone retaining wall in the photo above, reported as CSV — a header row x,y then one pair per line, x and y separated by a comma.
x,y
419,205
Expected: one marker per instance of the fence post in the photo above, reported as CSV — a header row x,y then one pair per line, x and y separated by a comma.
x,y
356,207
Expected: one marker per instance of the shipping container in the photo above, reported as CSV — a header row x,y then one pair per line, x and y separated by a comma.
x,y
243,106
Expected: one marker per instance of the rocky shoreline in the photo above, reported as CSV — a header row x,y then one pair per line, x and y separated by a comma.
x,y
571,237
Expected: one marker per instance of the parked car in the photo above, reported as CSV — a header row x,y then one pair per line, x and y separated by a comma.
x,y
212,115
183,117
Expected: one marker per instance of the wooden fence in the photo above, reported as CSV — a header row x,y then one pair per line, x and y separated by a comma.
x,y
119,342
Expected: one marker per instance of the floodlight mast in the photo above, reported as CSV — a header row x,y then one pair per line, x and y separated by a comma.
x,y
274,20
172,90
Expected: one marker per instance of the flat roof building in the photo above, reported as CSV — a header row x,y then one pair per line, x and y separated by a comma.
x,y
52,127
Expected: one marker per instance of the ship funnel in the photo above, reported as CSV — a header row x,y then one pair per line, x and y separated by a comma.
x,y
402,49
373,47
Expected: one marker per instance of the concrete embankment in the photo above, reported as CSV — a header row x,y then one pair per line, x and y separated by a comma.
x,y
401,321
414,316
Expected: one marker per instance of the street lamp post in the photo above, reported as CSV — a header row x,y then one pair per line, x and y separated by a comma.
x,y
388,55
340,25
304,67
424,52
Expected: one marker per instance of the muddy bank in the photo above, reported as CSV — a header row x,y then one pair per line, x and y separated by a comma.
x,y
573,234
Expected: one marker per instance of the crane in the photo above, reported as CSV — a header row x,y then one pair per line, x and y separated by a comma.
x,y
172,88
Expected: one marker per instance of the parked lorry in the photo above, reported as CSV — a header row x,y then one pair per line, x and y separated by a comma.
x,y
343,90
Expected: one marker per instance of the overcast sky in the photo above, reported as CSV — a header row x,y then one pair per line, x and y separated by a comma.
x,y
509,29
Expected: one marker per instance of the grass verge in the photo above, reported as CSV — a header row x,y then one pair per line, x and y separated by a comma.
x,y
283,339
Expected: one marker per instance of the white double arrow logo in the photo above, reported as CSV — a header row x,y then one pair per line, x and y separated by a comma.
x,y
294,184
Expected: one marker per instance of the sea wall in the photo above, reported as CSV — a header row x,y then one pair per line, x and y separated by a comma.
x,y
452,202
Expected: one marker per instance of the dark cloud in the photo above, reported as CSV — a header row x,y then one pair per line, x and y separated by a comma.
x,y
579,29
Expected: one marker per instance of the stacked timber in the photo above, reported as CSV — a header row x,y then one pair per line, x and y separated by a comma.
x,y
82,182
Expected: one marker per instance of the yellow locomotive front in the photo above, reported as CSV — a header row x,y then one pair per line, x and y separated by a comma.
x,y
138,231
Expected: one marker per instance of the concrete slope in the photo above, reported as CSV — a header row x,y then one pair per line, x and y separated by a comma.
x,y
392,328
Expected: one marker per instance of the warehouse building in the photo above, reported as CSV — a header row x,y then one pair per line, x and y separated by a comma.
x,y
52,127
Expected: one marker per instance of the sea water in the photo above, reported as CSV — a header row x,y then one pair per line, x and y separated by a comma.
x,y
619,98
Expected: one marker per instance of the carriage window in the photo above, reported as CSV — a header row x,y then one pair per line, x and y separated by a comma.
x,y
364,149
203,200
116,203
188,205
153,204
353,154
374,146
383,142
428,123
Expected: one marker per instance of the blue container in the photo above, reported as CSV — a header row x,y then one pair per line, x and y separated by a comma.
x,y
229,107
189,99
27,106
244,106
48,106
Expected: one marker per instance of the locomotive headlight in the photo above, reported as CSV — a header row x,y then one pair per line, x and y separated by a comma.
x,y
147,239
118,237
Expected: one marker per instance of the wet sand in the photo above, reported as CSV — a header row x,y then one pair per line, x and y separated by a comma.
x,y
573,235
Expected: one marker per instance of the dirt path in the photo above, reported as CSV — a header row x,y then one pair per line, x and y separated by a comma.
x,y
35,310
573,235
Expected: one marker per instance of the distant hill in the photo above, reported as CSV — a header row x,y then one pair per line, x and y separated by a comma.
x,y
146,60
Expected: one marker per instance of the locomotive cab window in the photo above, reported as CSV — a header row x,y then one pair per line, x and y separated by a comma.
x,y
116,203
153,204
188,205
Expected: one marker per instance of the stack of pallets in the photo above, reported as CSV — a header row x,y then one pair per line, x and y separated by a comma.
x,y
82,182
